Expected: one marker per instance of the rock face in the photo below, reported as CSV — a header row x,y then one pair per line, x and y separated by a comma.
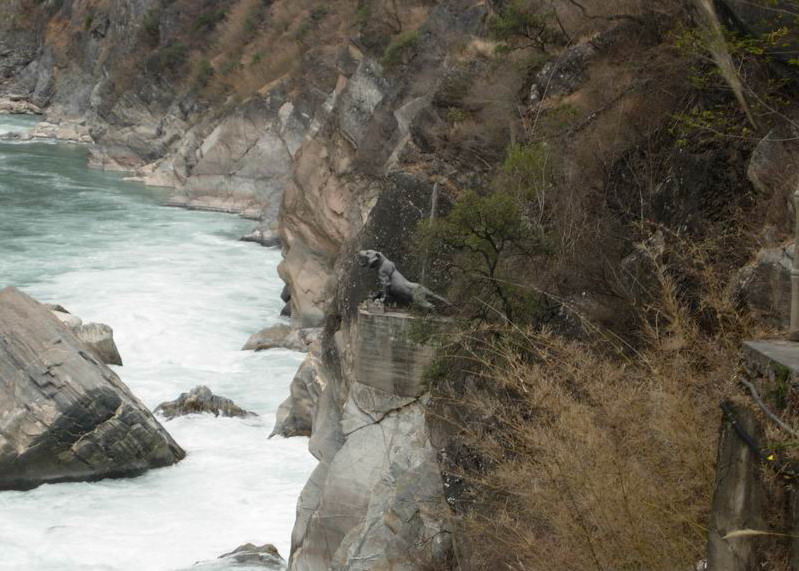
x,y
100,338
765,284
280,335
295,416
376,499
97,336
198,400
65,416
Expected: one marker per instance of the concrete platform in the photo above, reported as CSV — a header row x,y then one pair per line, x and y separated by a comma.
x,y
772,357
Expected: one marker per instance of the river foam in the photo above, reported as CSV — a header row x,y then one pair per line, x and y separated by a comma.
x,y
182,295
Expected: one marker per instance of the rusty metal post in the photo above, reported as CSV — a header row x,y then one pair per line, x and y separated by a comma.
x,y
793,333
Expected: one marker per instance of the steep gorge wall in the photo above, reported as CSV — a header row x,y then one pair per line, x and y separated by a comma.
x,y
336,151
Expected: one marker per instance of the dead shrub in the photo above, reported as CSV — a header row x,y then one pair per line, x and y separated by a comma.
x,y
592,454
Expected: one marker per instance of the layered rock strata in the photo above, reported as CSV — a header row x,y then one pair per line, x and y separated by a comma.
x,y
376,499
64,415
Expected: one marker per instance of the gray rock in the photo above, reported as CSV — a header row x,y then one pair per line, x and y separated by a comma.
x,y
198,400
276,336
64,415
265,556
376,500
765,285
71,321
295,414
247,556
100,339
265,238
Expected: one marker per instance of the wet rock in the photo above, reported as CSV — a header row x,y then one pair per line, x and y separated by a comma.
x,y
198,400
247,556
266,238
277,336
266,556
64,415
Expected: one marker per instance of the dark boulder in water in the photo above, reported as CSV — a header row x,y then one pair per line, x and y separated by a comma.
x,y
201,399
247,556
64,415
265,556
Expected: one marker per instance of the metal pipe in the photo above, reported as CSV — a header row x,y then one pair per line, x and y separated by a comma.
x,y
793,333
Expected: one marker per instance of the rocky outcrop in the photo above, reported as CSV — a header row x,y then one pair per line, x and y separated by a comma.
x,y
280,335
64,415
765,284
295,416
97,336
264,236
245,161
247,556
100,339
200,399
376,499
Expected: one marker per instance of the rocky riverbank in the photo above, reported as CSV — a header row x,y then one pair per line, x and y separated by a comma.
x,y
65,415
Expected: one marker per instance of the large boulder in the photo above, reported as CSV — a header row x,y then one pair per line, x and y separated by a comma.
x,y
64,415
247,556
198,400
266,556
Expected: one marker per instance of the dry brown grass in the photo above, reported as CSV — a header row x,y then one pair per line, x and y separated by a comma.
x,y
591,454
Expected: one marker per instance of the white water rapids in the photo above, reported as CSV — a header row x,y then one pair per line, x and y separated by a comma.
x,y
182,295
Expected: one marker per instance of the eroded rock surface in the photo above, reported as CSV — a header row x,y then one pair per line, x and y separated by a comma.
x,y
64,415
295,415
198,400
376,499
99,337
280,335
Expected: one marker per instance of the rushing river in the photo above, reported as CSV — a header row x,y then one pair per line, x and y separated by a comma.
x,y
182,295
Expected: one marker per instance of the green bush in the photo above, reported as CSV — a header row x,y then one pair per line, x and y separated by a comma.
x,y
205,72
207,21
527,170
397,48
478,243
151,27
520,26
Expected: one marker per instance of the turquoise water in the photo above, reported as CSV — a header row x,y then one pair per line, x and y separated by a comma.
x,y
182,295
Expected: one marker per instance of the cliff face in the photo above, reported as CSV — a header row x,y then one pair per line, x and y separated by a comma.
x,y
345,124
320,143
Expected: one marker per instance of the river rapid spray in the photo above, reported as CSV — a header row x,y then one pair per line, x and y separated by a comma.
x,y
182,295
